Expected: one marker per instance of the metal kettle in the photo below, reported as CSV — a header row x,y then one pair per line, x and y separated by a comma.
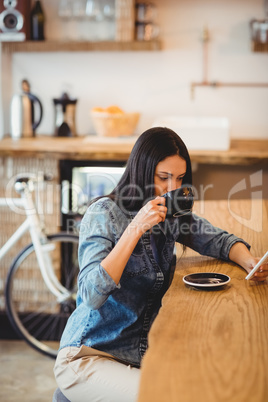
x,y
23,122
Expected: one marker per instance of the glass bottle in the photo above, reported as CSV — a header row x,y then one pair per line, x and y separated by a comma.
x,y
37,22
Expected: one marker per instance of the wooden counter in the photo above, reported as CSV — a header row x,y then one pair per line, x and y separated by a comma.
x,y
241,152
212,346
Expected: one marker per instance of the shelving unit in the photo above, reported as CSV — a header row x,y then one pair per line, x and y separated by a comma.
x,y
10,48
81,46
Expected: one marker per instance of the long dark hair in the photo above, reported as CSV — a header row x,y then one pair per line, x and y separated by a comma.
x,y
136,186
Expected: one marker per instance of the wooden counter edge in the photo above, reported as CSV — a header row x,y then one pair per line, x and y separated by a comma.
x,y
241,152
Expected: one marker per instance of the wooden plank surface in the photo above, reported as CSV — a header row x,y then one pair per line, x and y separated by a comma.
x,y
75,148
209,346
80,46
241,152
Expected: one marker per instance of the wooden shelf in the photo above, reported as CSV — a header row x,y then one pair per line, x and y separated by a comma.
x,y
259,47
83,46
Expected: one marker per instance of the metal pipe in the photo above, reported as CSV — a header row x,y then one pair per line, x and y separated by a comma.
x,y
217,84
205,40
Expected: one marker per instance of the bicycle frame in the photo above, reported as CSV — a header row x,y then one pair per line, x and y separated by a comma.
x,y
32,224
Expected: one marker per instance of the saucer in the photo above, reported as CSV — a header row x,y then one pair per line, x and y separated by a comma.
x,y
206,280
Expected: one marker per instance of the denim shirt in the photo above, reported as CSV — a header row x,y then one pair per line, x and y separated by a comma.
x,y
115,318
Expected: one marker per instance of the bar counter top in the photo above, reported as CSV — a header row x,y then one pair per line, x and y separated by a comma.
x,y
241,152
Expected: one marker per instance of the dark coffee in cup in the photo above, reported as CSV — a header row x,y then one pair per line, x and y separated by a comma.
x,y
179,202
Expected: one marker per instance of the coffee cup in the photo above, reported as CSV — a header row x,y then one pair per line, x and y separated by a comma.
x,y
179,202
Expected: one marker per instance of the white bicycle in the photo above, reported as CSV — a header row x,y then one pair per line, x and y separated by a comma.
x,y
40,291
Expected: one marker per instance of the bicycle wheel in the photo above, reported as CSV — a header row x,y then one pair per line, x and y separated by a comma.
x,y
34,312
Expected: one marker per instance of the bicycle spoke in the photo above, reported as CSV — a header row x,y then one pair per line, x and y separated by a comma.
x,y
37,316
45,325
34,311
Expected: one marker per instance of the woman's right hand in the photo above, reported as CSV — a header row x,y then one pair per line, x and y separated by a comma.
x,y
150,214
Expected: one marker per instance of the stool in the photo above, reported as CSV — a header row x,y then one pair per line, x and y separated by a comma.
x,y
59,397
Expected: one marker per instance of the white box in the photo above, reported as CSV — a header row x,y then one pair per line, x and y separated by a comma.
x,y
199,133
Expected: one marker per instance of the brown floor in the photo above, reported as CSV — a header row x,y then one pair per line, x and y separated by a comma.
x,y
25,375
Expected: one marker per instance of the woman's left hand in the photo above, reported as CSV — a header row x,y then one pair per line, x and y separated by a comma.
x,y
240,254
261,274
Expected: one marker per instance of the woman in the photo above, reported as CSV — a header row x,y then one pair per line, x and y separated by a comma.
x,y
126,266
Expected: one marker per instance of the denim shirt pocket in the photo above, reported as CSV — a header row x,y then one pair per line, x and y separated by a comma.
x,y
137,264
168,250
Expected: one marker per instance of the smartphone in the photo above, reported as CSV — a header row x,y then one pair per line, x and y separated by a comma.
x,y
257,266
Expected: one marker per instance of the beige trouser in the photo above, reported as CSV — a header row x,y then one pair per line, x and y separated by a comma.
x,y
87,375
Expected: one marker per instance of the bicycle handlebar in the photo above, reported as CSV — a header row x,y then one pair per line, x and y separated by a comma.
x,y
33,177
28,180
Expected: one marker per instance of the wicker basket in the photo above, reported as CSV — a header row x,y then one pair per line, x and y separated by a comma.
x,y
114,124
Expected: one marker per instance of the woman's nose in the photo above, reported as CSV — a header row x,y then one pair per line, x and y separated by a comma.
x,y
172,185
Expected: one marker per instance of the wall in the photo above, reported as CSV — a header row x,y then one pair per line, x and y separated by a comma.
x,y
158,83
